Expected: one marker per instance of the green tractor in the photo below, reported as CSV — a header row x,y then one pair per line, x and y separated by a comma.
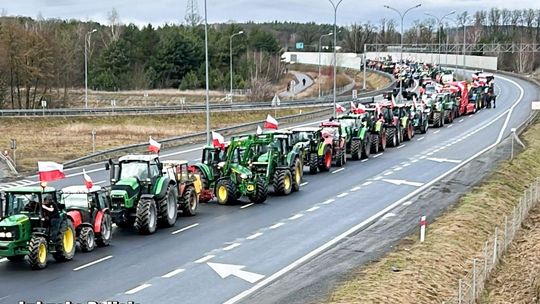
x,y
377,129
436,111
143,195
225,174
450,106
357,128
34,223
309,139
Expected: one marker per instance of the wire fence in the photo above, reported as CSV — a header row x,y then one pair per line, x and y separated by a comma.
x,y
472,285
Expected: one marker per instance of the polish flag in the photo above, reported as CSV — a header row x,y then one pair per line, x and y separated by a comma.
x,y
271,123
259,130
154,146
87,180
360,109
217,140
50,171
340,109
353,107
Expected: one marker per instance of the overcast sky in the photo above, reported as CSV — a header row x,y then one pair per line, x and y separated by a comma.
x,y
159,12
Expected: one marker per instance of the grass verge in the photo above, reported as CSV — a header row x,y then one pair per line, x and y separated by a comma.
x,y
429,271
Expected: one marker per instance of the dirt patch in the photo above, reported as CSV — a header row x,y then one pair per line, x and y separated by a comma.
x,y
427,272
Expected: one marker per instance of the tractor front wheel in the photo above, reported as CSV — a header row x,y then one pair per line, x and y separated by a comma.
x,y
105,234
190,202
261,193
37,252
375,143
356,145
168,208
326,161
313,163
87,239
225,192
65,242
393,136
297,178
146,216
366,148
283,182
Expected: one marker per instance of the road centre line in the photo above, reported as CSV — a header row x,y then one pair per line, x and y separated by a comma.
x,y
367,183
355,189
437,131
364,160
389,173
338,170
254,236
343,194
231,246
328,201
93,263
421,138
377,155
275,226
295,217
204,259
173,273
247,205
304,184
185,228
402,146
137,289
313,209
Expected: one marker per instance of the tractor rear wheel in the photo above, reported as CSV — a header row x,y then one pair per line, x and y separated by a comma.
x,y
366,147
261,193
408,132
225,191
313,163
87,239
384,140
326,161
16,258
105,233
37,252
297,171
393,136
283,182
356,146
146,217
190,202
168,208
375,143
437,120
65,242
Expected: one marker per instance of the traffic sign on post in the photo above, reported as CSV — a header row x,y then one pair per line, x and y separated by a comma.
x,y
536,105
299,45
13,144
354,94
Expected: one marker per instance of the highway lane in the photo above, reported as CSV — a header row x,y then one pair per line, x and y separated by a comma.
x,y
309,220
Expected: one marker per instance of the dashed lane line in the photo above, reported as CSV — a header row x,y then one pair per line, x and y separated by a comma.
x,y
328,201
185,228
295,217
254,236
246,206
389,173
367,183
402,146
304,184
421,138
137,289
93,263
343,194
275,226
313,209
355,189
407,203
437,131
377,155
173,273
364,160
204,259
338,170
231,246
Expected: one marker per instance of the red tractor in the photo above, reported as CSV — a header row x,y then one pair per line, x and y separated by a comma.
x,y
460,92
333,145
90,211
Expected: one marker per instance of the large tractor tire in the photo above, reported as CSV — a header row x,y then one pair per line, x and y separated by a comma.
x,y
408,132
225,192
437,120
341,158
147,216
105,234
261,193
326,161
283,182
375,143
384,140
87,239
391,134
168,208
190,202
205,183
356,149
366,147
449,116
313,163
37,252
297,171
65,242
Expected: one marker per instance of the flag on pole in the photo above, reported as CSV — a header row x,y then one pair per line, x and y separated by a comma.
x,y
154,146
353,107
50,171
340,109
271,123
218,140
87,180
360,109
259,130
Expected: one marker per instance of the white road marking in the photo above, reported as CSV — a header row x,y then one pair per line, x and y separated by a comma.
x,y
406,164
376,178
364,160
388,215
328,201
275,226
444,160
93,263
377,155
313,209
3,260
343,194
366,222
430,153
295,217
226,270
448,145
231,246
338,170
254,236
436,131
173,273
407,203
461,120
355,189
402,146
247,205
414,160
398,168
367,183
304,184
389,173
185,228
449,126
204,259
137,289
400,182
423,157
421,138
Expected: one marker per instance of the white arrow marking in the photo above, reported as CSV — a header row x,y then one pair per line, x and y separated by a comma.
x,y
226,270
400,182
444,160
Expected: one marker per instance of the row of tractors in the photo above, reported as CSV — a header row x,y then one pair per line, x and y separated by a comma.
x,y
146,192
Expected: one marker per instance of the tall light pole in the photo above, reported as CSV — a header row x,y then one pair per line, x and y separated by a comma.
x,y
230,43
440,28
320,42
86,46
402,16
335,6
208,139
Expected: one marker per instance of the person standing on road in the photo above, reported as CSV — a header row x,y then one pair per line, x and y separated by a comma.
x,y
304,82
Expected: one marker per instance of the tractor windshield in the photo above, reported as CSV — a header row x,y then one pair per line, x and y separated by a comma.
x,y
21,203
76,200
348,123
134,169
304,136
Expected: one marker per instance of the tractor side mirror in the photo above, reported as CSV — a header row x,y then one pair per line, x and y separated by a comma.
x,y
107,166
160,167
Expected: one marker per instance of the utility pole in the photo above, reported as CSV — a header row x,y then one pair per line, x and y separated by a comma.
x,y
208,139
440,26
320,42
86,46
336,6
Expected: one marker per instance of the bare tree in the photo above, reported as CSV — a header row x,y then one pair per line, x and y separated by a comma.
x,y
115,24
192,17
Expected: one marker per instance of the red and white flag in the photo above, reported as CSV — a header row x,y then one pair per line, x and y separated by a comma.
x,y
153,146
87,180
340,109
50,171
353,107
271,123
360,109
217,140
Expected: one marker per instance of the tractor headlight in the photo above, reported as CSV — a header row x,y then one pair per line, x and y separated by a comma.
x,y
243,176
9,235
2,234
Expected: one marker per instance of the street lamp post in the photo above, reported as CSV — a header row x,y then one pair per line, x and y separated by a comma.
x,y
335,6
86,46
440,25
320,42
231,65
402,16
208,140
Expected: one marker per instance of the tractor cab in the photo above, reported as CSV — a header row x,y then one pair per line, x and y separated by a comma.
x,y
86,202
133,171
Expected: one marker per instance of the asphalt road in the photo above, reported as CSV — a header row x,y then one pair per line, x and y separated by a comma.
x,y
264,241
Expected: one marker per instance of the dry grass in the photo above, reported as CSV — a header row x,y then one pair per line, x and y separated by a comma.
x,y
61,139
431,269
